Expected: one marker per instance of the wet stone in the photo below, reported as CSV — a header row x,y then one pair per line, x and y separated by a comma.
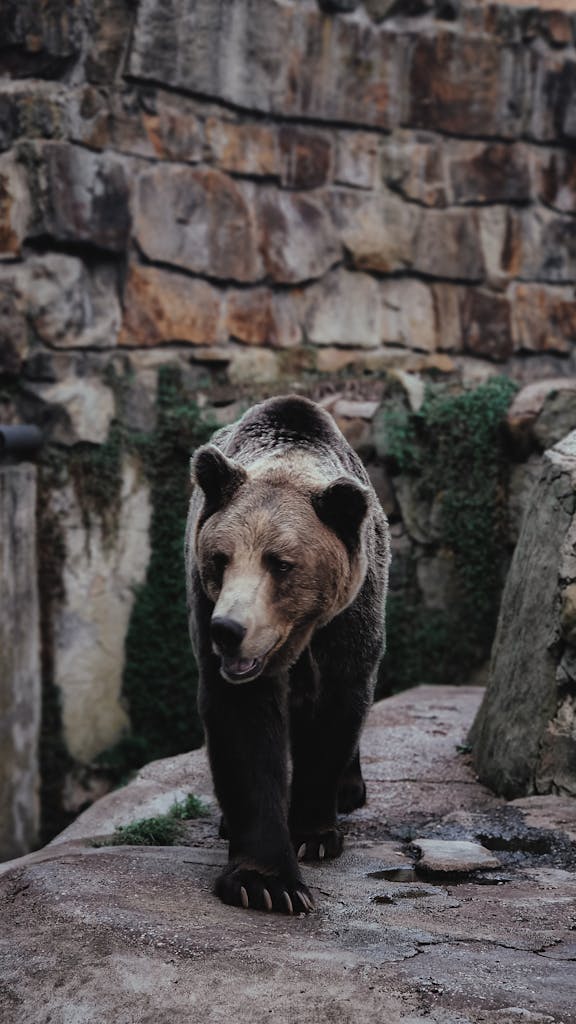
x,y
447,856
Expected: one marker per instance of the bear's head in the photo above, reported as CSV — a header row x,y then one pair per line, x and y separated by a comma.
x,y
279,554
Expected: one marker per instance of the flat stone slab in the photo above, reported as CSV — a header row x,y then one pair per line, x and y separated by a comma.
x,y
448,855
133,934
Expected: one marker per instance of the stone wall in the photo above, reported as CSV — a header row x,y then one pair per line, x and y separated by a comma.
x,y
345,199
262,190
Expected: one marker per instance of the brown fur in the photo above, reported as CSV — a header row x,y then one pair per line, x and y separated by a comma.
x,y
287,556
272,520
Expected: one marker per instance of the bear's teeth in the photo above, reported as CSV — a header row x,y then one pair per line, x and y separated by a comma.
x,y
242,666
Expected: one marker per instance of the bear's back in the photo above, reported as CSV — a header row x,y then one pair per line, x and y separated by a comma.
x,y
290,424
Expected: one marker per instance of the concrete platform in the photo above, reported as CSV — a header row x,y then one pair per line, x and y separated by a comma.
x,y
132,935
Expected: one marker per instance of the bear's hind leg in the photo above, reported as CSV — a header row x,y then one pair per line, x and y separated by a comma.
x,y
322,749
352,788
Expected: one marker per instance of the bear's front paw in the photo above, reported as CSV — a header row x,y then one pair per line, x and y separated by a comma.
x,y
245,886
327,843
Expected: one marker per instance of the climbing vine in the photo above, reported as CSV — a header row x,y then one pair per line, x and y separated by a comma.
x,y
452,453
160,675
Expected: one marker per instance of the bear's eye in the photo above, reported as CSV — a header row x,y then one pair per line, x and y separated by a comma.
x,y
277,565
219,561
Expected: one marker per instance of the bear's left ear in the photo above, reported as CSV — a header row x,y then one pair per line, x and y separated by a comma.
x,y
343,506
217,476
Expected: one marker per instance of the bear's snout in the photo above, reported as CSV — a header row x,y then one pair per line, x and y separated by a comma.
x,y
227,634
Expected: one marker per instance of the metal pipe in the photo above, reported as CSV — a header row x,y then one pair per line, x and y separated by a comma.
x,y
20,441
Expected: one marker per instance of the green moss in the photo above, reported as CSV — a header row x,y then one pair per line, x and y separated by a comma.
x,y
160,676
453,451
96,473
55,760
162,830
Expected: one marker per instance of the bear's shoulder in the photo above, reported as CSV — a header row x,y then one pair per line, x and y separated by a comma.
x,y
288,422
290,416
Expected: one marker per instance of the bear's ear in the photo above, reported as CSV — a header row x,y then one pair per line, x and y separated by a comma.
x,y
343,506
217,476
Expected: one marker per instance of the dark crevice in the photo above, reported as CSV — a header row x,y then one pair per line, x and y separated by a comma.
x,y
90,253
18,64
257,115
226,283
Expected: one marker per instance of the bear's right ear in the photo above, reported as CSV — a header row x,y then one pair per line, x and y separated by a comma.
x,y
217,476
343,506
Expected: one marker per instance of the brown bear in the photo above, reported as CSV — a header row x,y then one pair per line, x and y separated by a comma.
x,y
287,554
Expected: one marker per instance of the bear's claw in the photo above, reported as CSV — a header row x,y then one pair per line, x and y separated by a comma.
x,y
319,845
246,887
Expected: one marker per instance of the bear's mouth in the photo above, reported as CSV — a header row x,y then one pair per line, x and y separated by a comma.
x,y
241,670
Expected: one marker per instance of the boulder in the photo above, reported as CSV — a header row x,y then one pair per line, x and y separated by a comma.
x,y
345,309
528,405
297,237
162,306
81,408
486,326
448,244
524,736
70,304
556,418
408,314
77,195
377,231
462,86
259,316
197,219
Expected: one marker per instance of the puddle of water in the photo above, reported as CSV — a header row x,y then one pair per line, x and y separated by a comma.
x,y
403,873
402,894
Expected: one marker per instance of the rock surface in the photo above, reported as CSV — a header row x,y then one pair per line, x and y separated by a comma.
x,y
524,737
447,856
133,933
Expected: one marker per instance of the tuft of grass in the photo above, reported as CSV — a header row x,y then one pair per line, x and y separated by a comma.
x,y
162,830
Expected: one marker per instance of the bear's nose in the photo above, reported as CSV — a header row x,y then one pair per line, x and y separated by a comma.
x,y
227,634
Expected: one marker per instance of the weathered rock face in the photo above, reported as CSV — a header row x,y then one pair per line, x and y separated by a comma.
x,y
20,684
524,736
104,563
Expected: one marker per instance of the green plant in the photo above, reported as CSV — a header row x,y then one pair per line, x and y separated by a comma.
x,y
160,675
162,830
452,450
96,473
